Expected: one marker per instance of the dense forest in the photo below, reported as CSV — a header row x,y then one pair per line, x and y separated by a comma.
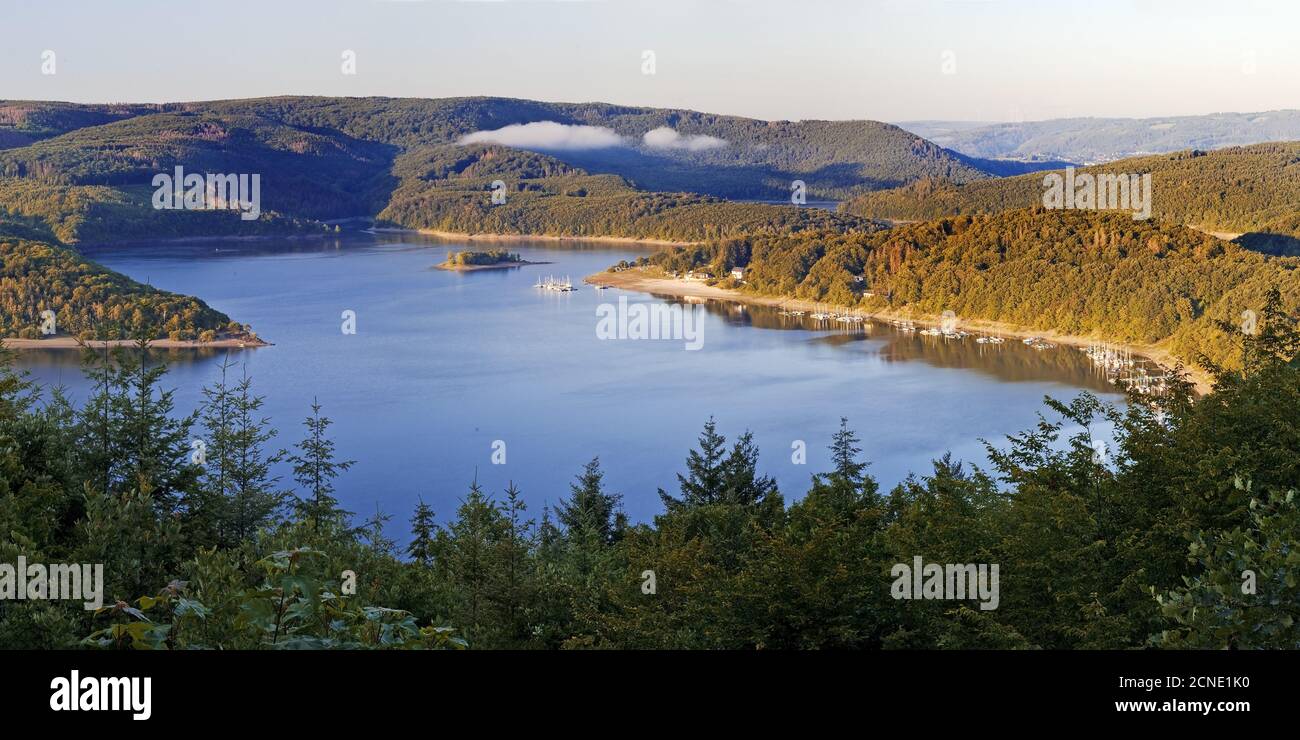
x,y
1180,536
450,188
760,159
87,177
1253,190
87,300
1085,274
491,257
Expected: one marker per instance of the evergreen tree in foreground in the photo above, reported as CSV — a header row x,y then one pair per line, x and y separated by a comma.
x,y
714,476
423,534
314,469
591,514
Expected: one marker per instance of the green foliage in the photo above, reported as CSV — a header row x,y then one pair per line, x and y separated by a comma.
x,y
290,610
492,257
1077,273
1148,545
87,300
314,469
449,188
1246,590
1252,189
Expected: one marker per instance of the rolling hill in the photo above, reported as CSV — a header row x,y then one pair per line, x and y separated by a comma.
x,y
1253,191
726,156
1085,274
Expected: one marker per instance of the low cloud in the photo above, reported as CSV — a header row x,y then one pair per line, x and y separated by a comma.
x,y
548,135
666,138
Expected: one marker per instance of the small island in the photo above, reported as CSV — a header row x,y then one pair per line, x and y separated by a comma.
x,y
495,259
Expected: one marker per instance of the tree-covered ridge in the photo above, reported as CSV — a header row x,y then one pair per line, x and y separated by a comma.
x,y
1146,545
760,160
89,301
302,172
450,187
1085,274
28,120
1240,189
95,214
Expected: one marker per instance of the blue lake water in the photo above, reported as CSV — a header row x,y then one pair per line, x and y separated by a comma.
x,y
445,364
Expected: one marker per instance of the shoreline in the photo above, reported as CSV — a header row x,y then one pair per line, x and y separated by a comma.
x,y
640,282
493,266
65,342
197,239
523,238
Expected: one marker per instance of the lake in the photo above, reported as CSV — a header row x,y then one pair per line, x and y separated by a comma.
x,y
446,367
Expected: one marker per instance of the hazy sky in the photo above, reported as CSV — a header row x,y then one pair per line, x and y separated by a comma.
x,y
794,59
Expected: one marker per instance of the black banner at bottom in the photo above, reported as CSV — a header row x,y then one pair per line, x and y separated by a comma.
x,y
936,688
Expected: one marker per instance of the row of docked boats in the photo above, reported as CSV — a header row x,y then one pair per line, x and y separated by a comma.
x,y
555,285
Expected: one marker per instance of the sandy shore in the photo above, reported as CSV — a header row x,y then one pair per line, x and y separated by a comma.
x,y
517,238
640,281
74,343
1226,236
201,239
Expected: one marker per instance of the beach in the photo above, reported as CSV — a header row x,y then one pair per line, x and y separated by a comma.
x,y
643,282
524,238
64,342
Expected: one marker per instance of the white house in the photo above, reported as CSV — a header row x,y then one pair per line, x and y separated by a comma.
x,y
738,273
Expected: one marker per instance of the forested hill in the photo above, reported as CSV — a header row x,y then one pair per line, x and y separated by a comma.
x,y
741,158
1252,190
445,188
400,160
1085,274
89,301
705,153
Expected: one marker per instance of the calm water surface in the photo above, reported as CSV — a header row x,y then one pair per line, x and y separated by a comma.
x,y
443,364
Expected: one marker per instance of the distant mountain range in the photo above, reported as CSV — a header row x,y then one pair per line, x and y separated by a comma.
x,y
1095,140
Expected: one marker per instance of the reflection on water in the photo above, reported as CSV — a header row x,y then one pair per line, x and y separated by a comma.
x,y
444,364
1011,361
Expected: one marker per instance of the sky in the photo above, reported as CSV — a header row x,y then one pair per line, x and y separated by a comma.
x,y
890,60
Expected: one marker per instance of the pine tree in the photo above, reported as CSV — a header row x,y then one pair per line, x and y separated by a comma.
x,y
705,476
158,446
254,497
423,531
206,513
844,454
128,437
314,469
715,476
470,540
590,513
372,533
512,582
97,437
743,486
